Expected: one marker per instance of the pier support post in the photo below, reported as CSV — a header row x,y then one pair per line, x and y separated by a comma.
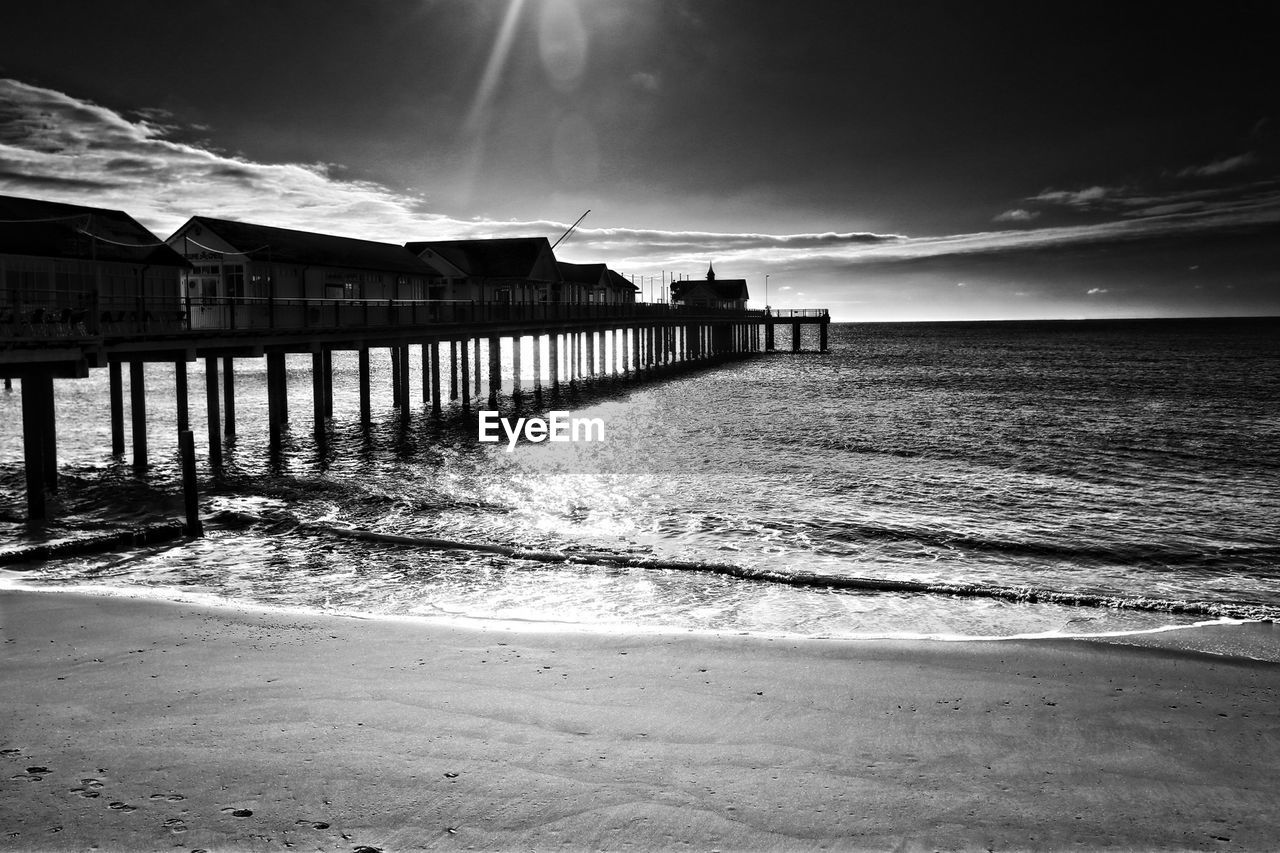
x,y
317,397
211,406
465,366
117,408
402,356
328,383
366,403
180,395
822,337
229,396
495,370
190,492
394,354
795,336
453,369
590,339
277,399
553,361
426,372
537,366
138,412
435,378
477,373
768,337
516,343
33,445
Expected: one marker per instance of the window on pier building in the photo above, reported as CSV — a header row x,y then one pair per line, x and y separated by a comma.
x,y
235,280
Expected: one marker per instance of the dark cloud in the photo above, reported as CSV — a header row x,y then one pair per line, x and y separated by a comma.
x,y
19,183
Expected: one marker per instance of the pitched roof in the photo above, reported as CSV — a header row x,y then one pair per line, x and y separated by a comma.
x,y
51,229
286,246
509,257
727,288
616,280
583,273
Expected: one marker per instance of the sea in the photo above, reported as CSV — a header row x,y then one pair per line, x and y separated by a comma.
x,y
1115,480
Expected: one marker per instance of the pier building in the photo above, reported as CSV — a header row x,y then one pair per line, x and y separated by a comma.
x,y
246,276
729,293
515,270
601,284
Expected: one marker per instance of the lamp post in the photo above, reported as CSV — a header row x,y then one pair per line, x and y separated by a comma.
x,y
766,291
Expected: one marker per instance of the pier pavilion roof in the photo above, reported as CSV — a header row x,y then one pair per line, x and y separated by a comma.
x,y
528,258
51,229
593,274
618,282
287,246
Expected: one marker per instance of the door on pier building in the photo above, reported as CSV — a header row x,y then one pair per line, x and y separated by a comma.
x,y
205,297
216,296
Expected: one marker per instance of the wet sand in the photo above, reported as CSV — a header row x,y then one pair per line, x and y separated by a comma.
x,y
136,724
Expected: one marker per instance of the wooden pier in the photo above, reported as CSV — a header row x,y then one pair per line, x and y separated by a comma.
x,y
582,341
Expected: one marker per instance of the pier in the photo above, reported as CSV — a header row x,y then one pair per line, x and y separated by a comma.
x,y
85,289
582,342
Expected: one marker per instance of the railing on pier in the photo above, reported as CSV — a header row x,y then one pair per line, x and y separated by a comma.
x,y
81,315
789,313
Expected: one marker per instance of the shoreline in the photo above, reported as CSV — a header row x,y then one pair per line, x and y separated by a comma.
x,y
1249,639
158,721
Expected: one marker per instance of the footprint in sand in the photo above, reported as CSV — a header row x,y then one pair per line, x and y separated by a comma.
x,y
10,752
89,789
237,812
314,824
175,825
170,798
122,807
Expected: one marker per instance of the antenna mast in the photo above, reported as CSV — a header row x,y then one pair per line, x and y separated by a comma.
x,y
571,227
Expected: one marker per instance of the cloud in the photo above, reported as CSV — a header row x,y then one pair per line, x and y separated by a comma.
x,y
1075,198
1094,290
55,146
1017,215
1220,167
58,147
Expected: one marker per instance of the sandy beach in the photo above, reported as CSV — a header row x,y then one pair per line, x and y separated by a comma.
x,y
135,724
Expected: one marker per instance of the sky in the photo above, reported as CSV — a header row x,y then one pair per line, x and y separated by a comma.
x,y
887,161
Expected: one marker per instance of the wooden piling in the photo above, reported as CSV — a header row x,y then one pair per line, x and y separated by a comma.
x,y
190,491
402,355
795,336
211,405
317,398
117,408
362,367
228,396
495,370
180,395
464,366
516,343
33,435
425,354
453,370
553,361
435,378
394,354
138,414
